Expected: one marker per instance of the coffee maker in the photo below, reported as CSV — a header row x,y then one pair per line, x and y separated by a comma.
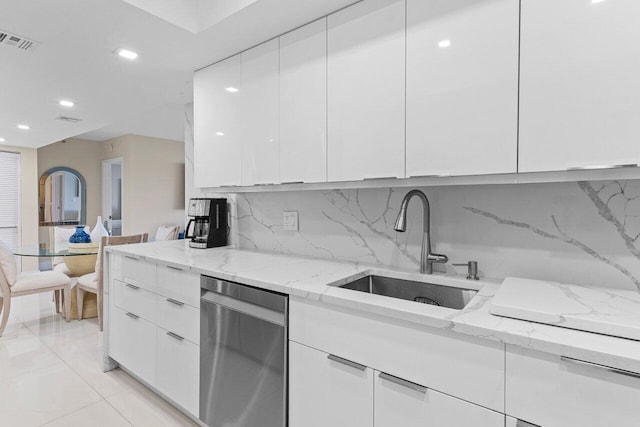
x,y
208,227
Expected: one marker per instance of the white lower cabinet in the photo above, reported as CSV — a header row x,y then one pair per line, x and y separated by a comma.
x,y
154,330
132,342
550,391
326,391
178,369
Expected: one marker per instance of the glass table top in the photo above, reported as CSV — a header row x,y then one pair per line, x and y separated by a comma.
x,y
48,251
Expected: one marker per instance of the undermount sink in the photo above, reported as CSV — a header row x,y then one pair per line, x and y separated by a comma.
x,y
421,292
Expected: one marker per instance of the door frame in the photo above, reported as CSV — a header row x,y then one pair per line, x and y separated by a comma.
x,y
107,190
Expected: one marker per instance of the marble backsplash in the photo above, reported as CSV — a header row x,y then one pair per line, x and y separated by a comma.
x,y
581,232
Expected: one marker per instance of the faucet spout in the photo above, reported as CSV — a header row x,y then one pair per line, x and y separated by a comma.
x,y
426,257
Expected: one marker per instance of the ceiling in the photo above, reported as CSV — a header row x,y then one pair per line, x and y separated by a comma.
x,y
113,96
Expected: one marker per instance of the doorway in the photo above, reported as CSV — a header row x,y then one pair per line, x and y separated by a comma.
x,y
112,195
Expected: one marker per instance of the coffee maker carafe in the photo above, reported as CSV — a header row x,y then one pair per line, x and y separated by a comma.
x,y
208,227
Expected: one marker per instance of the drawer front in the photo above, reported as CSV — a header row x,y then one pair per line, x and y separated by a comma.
x,y
132,343
179,370
179,318
179,284
138,272
545,390
466,367
134,299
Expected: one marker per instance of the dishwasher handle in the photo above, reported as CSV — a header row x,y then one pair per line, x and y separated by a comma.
x,y
252,310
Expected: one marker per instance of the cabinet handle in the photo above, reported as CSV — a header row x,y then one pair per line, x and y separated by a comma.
x,y
174,268
176,336
598,366
131,257
521,423
292,182
591,167
346,362
134,287
133,316
442,175
176,302
374,178
404,383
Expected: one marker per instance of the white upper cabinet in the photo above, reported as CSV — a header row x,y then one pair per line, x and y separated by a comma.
x,y
260,105
580,91
366,64
217,124
303,104
462,87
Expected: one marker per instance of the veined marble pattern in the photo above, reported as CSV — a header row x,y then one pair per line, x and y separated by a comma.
x,y
583,233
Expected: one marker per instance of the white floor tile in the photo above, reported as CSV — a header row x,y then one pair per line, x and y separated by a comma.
x,y
99,414
55,330
143,408
22,352
43,395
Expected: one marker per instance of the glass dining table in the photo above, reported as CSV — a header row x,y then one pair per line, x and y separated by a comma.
x,y
80,259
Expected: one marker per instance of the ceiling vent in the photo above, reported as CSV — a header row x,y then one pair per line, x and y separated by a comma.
x,y
68,119
19,42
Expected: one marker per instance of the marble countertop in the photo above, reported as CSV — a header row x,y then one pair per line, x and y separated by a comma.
x,y
319,280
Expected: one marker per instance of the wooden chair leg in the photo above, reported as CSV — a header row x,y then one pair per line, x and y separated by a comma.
x,y
67,303
56,297
6,308
79,301
99,301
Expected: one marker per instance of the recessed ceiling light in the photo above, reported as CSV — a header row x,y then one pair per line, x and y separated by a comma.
x,y
66,103
231,89
23,127
126,53
220,133
1,139
444,43
596,1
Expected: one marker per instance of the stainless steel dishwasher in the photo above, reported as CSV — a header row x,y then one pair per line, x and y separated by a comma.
x,y
243,355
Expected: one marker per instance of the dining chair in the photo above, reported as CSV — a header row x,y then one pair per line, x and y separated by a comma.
x,y
14,284
167,232
93,282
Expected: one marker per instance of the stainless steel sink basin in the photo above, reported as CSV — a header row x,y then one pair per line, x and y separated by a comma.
x,y
426,293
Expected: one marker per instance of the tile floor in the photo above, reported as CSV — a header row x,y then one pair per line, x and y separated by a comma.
x,y
51,375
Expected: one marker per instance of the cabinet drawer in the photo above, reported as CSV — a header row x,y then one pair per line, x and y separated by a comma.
x,y
178,317
466,367
138,272
134,299
179,285
549,391
132,343
179,370
398,403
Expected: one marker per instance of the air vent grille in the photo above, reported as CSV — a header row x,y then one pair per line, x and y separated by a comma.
x,y
18,42
68,119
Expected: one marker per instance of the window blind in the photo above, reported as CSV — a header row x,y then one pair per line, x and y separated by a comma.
x,y
10,199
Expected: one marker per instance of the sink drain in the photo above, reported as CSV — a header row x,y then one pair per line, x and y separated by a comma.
x,y
425,300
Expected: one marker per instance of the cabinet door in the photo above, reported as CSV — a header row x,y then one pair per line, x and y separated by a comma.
x,y
546,390
401,403
579,86
462,87
366,62
328,392
303,104
217,124
260,110
179,370
132,343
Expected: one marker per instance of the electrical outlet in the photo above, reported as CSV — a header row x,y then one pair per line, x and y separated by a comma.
x,y
290,221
